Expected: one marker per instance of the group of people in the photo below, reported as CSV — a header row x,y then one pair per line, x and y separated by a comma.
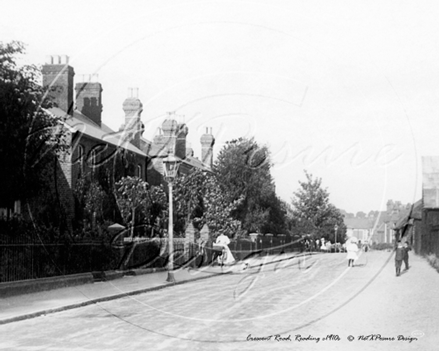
x,y
351,247
401,256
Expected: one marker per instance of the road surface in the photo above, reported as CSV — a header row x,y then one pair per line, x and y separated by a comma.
x,y
316,303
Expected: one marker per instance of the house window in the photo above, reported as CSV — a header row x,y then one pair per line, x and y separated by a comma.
x,y
139,171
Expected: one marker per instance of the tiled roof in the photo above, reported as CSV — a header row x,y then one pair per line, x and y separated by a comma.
x,y
196,163
82,124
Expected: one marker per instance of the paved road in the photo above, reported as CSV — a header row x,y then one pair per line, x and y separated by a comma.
x,y
299,301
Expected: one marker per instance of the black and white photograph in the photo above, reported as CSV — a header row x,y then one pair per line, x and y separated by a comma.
x,y
219,175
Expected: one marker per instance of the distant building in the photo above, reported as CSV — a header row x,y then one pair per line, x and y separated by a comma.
x,y
378,226
429,238
359,228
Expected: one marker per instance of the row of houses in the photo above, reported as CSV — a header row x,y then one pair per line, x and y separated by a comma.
x,y
378,226
94,148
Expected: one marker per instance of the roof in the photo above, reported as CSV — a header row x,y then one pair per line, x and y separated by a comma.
x,y
196,163
415,213
358,223
79,123
416,210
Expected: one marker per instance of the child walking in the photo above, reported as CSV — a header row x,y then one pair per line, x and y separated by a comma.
x,y
352,250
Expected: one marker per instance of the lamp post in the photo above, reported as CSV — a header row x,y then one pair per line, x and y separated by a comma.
x,y
336,231
171,164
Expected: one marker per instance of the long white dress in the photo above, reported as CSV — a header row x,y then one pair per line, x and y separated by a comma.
x,y
224,241
352,250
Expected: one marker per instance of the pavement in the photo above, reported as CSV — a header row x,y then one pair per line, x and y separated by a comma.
x,y
32,305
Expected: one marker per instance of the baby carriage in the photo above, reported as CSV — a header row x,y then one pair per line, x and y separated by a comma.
x,y
219,254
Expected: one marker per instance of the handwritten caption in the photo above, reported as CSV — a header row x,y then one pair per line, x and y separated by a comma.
x,y
330,337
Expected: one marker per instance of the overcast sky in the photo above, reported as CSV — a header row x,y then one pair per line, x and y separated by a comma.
x,y
347,90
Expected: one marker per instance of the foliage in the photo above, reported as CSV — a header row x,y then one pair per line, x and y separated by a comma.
x,y
159,209
94,200
313,212
217,208
29,137
132,197
199,197
243,169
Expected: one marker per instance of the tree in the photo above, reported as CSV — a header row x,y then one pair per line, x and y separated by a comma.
x,y
199,198
132,197
159,209
243,169
30,138
313,212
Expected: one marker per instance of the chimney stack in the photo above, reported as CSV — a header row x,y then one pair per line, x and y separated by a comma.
x,y
182,132
207,140
89,100
58,77
132,107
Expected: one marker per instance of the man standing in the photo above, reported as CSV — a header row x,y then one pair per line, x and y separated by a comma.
x,y
400,253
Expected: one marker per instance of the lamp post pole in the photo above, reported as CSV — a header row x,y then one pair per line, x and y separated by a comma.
x,y
336,231
170,277
171,164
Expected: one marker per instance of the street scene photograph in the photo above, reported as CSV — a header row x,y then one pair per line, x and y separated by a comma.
x,y
219,175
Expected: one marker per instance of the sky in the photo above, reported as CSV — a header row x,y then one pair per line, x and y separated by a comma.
x,y
346,90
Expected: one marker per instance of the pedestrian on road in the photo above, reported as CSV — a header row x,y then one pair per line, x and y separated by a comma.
x,y
352,250
226,258
323,247
328,246
400,254
406,248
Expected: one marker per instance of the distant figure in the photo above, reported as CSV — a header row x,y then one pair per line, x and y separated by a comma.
x,y
400,254
366,247
317,245
323,247
226,258
406,248
352,250
306,245
328,246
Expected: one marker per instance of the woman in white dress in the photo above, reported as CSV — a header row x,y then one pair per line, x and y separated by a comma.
x,y
352,250
226,258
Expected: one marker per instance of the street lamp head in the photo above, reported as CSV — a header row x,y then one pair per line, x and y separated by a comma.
x,y
171,163
336,227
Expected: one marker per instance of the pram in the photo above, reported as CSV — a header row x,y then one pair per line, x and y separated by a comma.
x,y
218,253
